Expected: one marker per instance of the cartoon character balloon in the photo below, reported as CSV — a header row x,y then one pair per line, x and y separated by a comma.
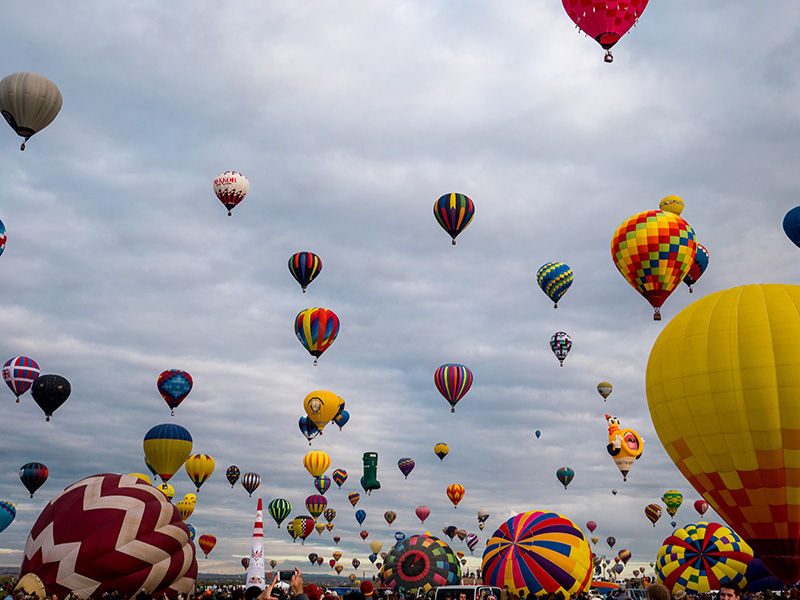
x,y
29,102
453,382
605,22
560,344
304,267
654,250
454,212
624,445
322,406
316,328
738,343
231,187
19,373
174,385
555,278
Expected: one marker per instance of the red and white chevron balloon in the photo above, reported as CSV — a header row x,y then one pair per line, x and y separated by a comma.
x,y
111,532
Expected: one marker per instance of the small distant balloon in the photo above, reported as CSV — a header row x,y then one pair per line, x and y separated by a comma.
x,y
174,385
560,344
232,473
19,373
304,267
406,465
604,388
453,381
231,187
441,450
250,482
454,212
538,434
50,392
565,475
673,204
554,278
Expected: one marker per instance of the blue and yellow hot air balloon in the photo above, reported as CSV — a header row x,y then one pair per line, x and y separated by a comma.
x,y
554,278
454,212
199,467
316,328
166,448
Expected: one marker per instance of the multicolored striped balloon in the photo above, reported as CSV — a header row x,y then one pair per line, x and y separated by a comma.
x,y
322,483
339,477
316,328
453,381
421,562
316,504
555,278
698,267
19,374
316,462
538,552
199,468
304,267
250,482
698,558
406,465
454,212
653,513
389,516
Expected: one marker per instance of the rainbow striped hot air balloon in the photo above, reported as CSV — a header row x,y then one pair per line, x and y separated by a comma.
x,y
316,328
166,448
555,278
304,267
454,212
538,552
453,381
199,468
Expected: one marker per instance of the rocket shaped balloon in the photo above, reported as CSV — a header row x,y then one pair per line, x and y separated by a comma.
x,y
255,570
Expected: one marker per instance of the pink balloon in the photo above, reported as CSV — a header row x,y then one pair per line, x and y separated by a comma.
x,y
701,506
591,526
423,512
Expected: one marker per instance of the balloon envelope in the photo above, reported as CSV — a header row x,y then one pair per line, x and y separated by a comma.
x,y
605,22
174,385
7,513
421,562
554,278
250,482
33,475
304,267
322,406
166,448
230,187
791,225
279,509
441,450
453,381
316,328
19,373
29,102
50,392
199,468
454,212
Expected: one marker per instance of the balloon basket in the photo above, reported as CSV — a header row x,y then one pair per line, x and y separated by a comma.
x,y
657,314
608,57
453,409
47,418
454,242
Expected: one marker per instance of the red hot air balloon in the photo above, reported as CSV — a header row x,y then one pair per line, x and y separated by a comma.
x,y
606,22
206,543
423,512
591,526
701,506
316,328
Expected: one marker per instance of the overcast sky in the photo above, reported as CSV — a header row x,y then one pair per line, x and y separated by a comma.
x,y
350,119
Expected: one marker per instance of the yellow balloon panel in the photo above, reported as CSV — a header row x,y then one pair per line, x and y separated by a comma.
x,y
322,406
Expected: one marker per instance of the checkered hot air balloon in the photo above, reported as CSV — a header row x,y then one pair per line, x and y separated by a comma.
x,y
560,344
538,552
673,500
654,250
19,373
174,385
304,267
699,557
605,22
453,382
316,328
231,187
555,278
303,526
454,212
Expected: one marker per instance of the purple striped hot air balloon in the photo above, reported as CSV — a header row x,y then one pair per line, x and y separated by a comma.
x,y
453,381
406,465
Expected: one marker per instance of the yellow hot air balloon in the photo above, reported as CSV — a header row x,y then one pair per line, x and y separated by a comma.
x,y
190,498
168,490
199,467
186,508
441,450
316,462
166,448
322,406
604,388
375,546
29,102
673,204
722,386
142,476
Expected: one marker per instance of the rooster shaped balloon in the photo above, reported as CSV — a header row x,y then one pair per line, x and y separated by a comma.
x,y
624,446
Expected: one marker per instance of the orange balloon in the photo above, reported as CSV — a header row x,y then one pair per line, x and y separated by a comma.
x,y
455,492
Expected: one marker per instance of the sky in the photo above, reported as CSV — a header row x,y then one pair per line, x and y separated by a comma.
x,y
350,120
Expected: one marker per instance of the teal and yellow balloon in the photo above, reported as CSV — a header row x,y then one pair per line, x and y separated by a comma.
x,y
555,278
166,448
565,475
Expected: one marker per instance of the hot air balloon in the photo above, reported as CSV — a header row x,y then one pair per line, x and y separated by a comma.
x,y
441,450
166,448
316,328
231,187
605,23
279,509
329,526
673,204
450,531
619,567
336,539
339,477
320,527
538,552
322,406
372,558
698,267
421,562
471,540
455,492
364,535
554,278
611,541
624,446
246,562
406,465
560,344
654,250
565,475
354,498
303,526
322,483
673,500
7,513
356,563
341,419
537,433
338,569
791,225
614,492
701,506
304,267
143,477
316,462
453,381
604,388
759,578
199,468
738,343
308,429
167,490
232,473
250,482
595,539
389,516
461,533
653,513
370,479
375,546
312,558
273,563
591,526
399,536
698,558
454,212
206,543
19,374
174,385
329,515
29,102
483,515
422,512
185,508
50,392
360,516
